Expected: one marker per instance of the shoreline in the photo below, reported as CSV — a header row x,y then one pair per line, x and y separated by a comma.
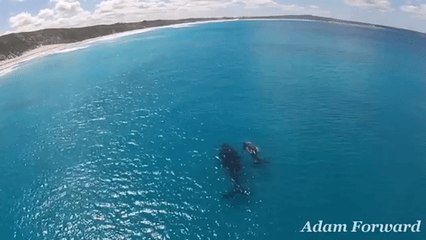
x,y
9,65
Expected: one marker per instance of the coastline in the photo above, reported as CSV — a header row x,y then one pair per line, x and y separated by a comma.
x,y
12,64
370,26
9,65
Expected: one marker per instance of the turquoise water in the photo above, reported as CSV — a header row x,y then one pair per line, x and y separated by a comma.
x,y
118,140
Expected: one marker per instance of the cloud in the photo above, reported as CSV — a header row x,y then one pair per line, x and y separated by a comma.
x,y
67,8
381,5
23,19
69,13
416,10
46,13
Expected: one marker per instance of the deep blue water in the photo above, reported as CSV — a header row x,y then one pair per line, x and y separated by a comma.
x,y
118,140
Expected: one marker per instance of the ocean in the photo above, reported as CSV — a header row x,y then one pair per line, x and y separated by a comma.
x,y
119,140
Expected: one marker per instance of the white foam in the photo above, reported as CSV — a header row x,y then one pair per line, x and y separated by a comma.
x,y
184,25
72,49
7,70
10,65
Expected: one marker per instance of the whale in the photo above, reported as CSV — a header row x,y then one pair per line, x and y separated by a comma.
x,y
231,162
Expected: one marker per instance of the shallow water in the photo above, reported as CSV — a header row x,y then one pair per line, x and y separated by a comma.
x,y
118,140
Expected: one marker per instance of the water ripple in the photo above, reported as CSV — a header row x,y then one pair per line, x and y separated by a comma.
x,y
110,176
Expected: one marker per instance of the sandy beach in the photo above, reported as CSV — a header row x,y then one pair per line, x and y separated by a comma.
x,y
10,65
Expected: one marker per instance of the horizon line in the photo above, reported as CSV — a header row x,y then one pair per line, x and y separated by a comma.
x,y
248,17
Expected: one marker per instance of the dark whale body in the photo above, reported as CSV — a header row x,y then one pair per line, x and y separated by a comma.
x,y
231,161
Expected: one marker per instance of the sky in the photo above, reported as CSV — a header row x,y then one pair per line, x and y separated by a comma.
x,y
29,15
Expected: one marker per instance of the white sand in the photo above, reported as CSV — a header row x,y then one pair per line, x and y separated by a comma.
x,y
9,65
